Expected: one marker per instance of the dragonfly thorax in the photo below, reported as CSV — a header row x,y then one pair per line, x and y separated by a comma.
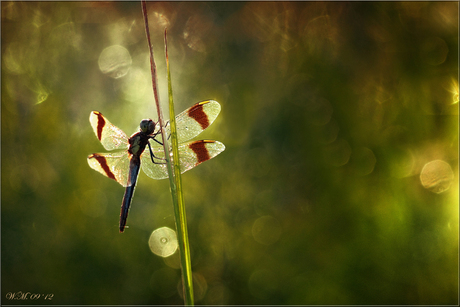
x,y
147,126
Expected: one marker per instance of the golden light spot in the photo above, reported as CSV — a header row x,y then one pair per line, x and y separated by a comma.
x,y
41,92
453,88
163,242
115,61
437,176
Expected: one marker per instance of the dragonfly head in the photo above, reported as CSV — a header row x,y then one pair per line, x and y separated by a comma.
x,y
147,126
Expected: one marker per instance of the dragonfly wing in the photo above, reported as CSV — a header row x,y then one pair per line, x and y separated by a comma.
x,y
110,136
196,152
155,170
191,154
113,165
195,119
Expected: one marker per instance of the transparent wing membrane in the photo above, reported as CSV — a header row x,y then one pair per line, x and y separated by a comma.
x,y
113,165
110,136
191,122
191,154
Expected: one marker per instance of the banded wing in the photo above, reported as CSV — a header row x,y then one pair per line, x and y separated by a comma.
x,y
114,165
110,136
191,154
195,119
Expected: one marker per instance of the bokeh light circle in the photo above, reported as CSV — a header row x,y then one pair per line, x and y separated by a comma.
x,y
163,242
437,176
115,61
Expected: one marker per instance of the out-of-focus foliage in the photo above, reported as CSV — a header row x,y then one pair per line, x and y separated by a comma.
x,y
330,111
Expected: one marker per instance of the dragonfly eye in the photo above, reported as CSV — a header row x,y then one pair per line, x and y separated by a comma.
x,y
147,126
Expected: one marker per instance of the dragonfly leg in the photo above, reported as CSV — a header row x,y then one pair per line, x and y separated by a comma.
x,y
158,132
157,141
153,156
154,137
166,125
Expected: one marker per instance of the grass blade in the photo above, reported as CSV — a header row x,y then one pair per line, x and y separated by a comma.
x,y
174,180
179,207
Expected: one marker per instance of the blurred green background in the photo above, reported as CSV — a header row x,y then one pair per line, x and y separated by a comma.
x,y
330,111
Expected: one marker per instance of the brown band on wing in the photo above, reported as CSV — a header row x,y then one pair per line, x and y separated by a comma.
x,y
196,112
200,150
103,163
100,125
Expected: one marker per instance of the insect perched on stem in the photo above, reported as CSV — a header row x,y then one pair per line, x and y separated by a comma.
x,y
123,165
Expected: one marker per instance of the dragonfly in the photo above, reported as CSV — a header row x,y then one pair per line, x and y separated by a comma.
x,y
143,149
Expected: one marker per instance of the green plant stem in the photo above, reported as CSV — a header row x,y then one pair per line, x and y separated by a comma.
x,y
174,181
179,207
